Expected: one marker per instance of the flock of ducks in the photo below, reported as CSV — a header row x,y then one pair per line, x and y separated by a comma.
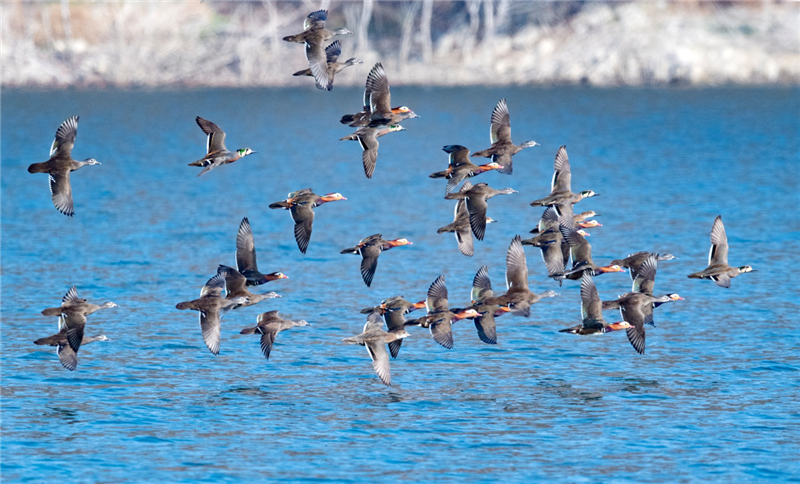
x,y
560,235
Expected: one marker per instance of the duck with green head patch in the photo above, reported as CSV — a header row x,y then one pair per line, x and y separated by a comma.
x,y
217,154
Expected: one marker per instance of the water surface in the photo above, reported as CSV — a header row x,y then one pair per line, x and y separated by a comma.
x,y
714,398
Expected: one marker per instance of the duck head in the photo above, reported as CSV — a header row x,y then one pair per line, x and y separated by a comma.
x,y
331,197
91,161
588,193
490,166
666,257
529,144
302,322
618,325
402,334
271,295
583,233
549,293
405,110
744,269
674,297
245,151
276,275
589,214
398,242
353,61
468,313
589,224
341,31
490,220
611,268
109,304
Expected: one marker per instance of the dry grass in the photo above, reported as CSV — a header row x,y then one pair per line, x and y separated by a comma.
x,y
158,43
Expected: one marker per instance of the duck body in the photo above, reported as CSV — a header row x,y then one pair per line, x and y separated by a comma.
x,y
461,168
502,149
475,200
268,325
718,269
61,164
370,248
217,154
212,306
301,205
580,252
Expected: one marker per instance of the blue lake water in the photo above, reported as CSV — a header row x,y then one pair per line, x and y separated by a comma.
x,y
715,398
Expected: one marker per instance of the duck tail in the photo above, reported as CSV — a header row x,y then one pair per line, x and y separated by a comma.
x,y
304,72
52,312
528,242
294,38
351,250
446,228
349,137
696,275
249,330
38,168
572,330
184,305
348,118
282,204
438,174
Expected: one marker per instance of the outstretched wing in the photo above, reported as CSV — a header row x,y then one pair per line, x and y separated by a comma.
x,y
65,137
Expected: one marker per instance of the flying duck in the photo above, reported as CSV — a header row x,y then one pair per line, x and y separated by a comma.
x,y
718,269
592,321
66,355
460,167
634,263
73,311
502,148
370,248
461,227
212,306
217,154
332,53
368,139
314,35
60,164
301,206
375,339
581,253
246,257
394,310
378,110
485,321
236,288
561,194
440,318
475,200
268,325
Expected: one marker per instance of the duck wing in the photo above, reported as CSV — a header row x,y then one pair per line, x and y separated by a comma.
x,y
516,266
65,138
442,331
318,63
635,316
485,325
369,143
591,305
235,282
214,286
380,99
437,296
562,176
645,279
303,217
67,356
333,51
216,137
61,192
481,285
719,244
210,327
477,206
315,20
369,262
75,321
380,360
463,231
245,248
268,334
501,123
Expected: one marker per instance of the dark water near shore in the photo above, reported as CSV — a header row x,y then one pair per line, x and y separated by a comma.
x,y
714,399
